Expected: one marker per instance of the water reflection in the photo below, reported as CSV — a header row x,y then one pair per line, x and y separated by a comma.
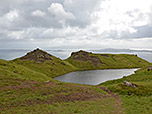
x,y
94,77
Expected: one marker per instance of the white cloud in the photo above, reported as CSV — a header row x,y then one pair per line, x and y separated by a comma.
x,y
38,13
60,33
121,16
16,35
58,10
9,19
12,15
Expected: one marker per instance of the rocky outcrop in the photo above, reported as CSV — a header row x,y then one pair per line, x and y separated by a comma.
x,y
37,55
129,84
86,56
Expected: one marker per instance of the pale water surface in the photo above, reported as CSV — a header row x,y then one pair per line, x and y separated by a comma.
x,y
94,77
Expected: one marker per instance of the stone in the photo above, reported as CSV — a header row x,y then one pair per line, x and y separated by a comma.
x,y
129,84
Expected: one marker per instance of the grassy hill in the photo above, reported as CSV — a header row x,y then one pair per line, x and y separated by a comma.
x,y
45,63
83,60
27,85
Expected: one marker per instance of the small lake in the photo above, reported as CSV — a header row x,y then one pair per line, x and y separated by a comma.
x,y
94,77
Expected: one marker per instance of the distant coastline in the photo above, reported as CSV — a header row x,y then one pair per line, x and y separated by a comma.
x,y
120,50
97,50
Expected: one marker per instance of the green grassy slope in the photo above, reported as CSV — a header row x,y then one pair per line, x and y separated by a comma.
x,y
27,86
23,91
135,100
85,61
10,71
45,63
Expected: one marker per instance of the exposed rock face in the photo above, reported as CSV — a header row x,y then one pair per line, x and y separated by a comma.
x,y
86,56
129,84
37,55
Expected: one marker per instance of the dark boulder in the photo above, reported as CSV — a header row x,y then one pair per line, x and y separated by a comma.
x,y
149,69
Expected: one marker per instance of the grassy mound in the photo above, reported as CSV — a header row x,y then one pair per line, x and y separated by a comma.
x,y
45,63
87,60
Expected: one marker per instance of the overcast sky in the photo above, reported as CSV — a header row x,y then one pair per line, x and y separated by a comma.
x,y
75,24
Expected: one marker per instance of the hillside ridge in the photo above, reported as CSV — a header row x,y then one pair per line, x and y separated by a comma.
x,y
88,61
86,56
37,55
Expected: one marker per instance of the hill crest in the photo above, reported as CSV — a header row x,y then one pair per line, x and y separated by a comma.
x,y
86,56
37,55
88,60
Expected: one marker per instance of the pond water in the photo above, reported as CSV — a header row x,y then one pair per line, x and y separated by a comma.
x,y
94,77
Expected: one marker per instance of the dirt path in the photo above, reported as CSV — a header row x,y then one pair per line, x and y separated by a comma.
x,y
117,98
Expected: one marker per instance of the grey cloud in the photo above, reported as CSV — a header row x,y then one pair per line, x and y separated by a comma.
x,y
141,32
80,9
